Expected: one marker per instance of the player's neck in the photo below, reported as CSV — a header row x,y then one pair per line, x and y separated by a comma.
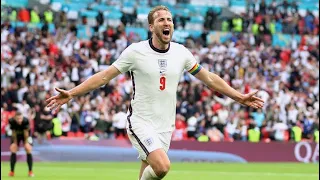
x,y
157,44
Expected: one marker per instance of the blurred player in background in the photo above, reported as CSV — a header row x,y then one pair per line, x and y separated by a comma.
x,y
20,128
156,66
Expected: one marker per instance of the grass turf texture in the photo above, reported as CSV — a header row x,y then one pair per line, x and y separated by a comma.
x,y
179,171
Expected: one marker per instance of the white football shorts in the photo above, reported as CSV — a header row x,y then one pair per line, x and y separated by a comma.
x,y
146,139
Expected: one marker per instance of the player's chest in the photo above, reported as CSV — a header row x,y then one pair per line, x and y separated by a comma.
x,y
159,66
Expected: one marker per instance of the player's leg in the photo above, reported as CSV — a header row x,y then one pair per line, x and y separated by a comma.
x,y
158,159
159,165
145,172
13,156
28,149
144,164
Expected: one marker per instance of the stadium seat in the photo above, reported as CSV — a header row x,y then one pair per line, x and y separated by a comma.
x,y
181,35
227,138
74,6
89,14
195,23
49,136
265,134
58,1
120,137
84,32
143,3
142,13
102,29
15,4
100,7
183,12
71,134
52,28
91,17
72,15
286,136
112,18
128,7
81,1
18,24
79,134
142,32
238,6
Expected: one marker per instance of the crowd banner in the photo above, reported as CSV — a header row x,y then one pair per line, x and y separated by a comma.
x,y
180,151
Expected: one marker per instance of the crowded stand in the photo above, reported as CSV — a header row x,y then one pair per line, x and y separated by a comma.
x,y
267,45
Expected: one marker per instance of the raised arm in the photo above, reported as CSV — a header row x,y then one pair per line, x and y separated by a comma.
x,y
213,81
97,80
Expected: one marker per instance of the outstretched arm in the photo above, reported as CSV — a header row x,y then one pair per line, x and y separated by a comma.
x,y
97,80
215,82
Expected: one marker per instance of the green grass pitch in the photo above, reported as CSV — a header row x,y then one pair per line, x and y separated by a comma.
x,y
179,171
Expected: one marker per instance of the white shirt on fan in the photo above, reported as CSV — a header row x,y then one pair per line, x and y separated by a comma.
x,y
155,74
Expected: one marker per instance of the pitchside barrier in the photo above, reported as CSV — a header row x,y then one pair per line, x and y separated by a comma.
x,y
180,151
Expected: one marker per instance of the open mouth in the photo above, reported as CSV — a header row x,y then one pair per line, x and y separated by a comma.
x,y
166,32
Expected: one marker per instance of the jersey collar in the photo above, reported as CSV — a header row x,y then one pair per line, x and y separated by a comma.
x,y
156,49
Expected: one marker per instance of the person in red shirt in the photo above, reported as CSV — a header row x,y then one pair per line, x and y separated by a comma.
x,y
24,15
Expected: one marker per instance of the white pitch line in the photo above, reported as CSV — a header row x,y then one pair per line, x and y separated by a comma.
x,y
227,173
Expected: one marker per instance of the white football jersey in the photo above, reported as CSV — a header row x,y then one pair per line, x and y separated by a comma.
x,y
155,76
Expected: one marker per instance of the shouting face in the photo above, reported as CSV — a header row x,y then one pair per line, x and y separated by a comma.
x,y
162,26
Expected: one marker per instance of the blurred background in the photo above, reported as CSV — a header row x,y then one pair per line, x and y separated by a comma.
x,y
270,45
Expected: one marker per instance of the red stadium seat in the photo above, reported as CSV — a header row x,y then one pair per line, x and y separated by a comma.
x,y
71,134
185,134
120,137
226,136
265,134
79,134
286,136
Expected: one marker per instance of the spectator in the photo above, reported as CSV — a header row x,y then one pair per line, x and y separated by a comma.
x,y
24,15
279,131
119,122
48,16
253,133
34,62
258,117
65,121
34,16
44,124
308,126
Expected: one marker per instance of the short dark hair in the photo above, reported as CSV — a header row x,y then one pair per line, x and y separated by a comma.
x,y
18,113
154,10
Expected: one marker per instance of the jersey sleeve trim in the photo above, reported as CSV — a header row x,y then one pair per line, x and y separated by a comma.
x,y
117,67
195,69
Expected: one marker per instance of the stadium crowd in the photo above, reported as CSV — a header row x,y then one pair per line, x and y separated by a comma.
x,y
33,63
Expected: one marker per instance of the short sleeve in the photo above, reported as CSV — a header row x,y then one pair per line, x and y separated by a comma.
x,y
125,61
191,64
26,124
12,124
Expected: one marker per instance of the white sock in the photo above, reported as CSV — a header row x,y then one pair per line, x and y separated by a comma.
x,y
149,174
